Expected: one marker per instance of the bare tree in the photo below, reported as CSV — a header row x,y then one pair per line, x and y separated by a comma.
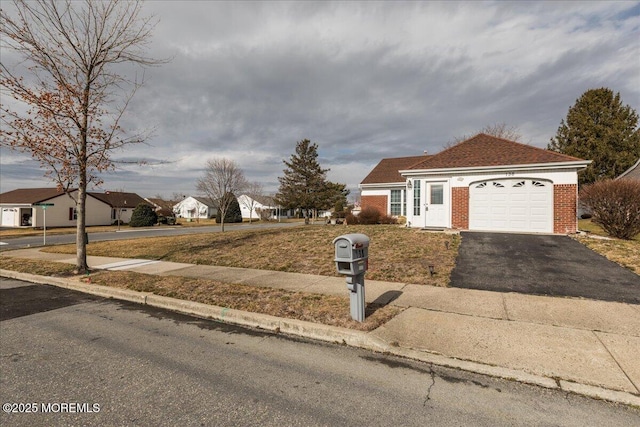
x,y
69,86
254,191
499,130
222,179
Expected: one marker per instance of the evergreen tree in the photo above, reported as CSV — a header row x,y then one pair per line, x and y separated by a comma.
x,y
599,128
304,182
335,195
143,216
232,213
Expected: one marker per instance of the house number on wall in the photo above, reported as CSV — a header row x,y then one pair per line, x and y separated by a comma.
x,y
510,173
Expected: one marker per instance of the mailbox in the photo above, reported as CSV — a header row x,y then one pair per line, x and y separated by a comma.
x,y
352,260
352,254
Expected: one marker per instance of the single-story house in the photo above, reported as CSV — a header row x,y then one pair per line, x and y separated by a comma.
x,y
160,206
25,207
256,206
484,183
196,207
632,173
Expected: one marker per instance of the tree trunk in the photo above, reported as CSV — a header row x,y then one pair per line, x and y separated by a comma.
x,y
81,247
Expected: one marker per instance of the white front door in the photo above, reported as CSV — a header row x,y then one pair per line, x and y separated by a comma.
x,y
435,208
430,203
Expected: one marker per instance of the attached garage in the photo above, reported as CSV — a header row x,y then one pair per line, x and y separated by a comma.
x,y
518,204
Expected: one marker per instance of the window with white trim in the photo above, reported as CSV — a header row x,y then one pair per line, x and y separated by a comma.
x,y
397,206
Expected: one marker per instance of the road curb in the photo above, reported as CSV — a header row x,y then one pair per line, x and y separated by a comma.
x,y
324,333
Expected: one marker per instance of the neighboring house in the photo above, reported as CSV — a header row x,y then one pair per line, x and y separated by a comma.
x,y
122,204
483,183
161,206
20,208
255,207
195,207
632,173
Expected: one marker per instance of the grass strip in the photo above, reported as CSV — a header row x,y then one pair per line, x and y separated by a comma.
x,y
317,308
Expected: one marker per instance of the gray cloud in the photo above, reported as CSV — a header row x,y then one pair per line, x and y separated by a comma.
x,y
364,80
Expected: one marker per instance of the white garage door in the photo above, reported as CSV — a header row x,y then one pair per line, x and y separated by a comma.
x,y
9,217
516,204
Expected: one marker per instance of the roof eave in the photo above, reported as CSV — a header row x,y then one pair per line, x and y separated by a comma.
x,y
383,184
578,165
628,171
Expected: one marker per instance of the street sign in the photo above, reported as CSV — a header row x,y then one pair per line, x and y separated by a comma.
x,y
43,204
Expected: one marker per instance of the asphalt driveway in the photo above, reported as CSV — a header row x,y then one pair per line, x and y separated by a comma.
x,y
541,265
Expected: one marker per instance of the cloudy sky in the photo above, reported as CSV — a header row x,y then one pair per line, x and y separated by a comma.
x,y
363,80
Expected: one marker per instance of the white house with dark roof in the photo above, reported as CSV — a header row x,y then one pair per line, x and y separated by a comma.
x,y
195,208
25,207
483,183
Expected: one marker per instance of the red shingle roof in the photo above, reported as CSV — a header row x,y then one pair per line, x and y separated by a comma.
x,y
486,150
387,170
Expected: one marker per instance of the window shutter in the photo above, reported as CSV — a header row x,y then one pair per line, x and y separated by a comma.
x,y
70,214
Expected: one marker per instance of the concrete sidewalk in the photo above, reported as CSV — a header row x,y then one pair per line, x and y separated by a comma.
x,y
584,346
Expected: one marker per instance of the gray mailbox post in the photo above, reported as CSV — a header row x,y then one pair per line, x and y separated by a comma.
x,y
352,259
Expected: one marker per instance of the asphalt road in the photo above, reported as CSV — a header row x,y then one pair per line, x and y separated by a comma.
x,y
124,364
132,233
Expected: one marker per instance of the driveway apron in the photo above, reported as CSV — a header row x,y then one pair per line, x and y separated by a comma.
x,y
541,265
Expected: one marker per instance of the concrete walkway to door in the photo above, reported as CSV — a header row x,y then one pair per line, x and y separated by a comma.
x,y
541,265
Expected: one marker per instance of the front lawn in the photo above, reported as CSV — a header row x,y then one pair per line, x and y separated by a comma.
x,y
396,254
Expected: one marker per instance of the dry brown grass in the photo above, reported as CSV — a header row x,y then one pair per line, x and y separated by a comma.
x,y
325,309
396,254
44,268
624,252
24,232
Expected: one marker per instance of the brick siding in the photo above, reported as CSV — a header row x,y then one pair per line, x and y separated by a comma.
x,y
565,220
460,208
378,202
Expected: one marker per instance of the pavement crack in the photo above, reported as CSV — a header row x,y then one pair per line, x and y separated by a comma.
x,y
504,305
432,373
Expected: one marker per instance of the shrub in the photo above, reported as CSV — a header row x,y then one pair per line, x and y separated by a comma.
x,y
369,215
615,206
233,213
386,219
351,219
143,216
